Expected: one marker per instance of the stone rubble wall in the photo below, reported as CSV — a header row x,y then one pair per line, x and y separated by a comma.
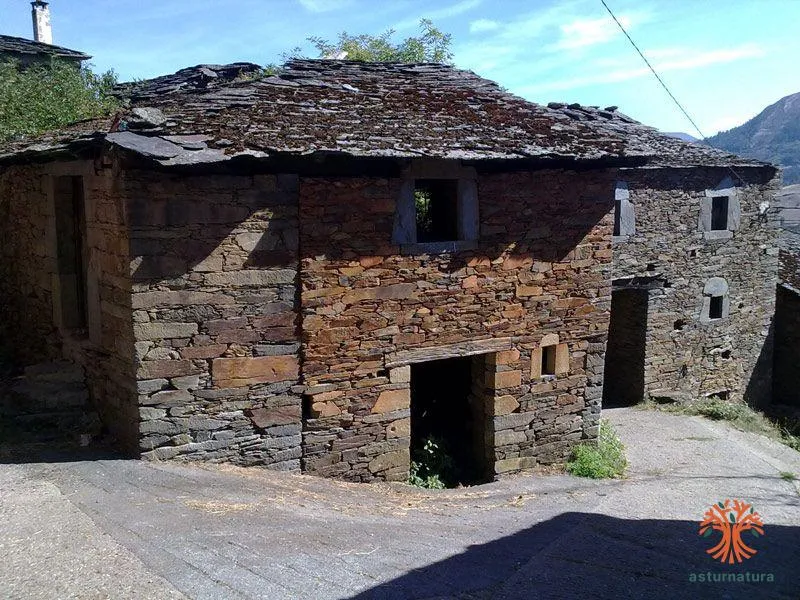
x,y
214,269
730,358
30,288
541,267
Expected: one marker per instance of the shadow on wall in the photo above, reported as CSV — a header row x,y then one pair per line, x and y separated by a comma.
x,y
786,374
590,556
758,393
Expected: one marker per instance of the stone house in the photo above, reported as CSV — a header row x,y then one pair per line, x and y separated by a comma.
x,y
318,270
694,275
29,52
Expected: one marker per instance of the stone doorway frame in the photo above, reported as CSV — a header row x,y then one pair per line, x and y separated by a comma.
x,y
485,369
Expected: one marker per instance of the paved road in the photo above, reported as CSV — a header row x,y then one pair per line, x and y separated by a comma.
x,y
128,529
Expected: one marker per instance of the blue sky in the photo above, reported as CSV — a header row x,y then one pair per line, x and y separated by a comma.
x,y
724,59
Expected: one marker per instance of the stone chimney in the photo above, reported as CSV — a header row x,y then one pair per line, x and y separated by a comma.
x,y
42,32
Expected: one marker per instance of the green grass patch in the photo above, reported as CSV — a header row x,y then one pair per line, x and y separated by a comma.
x,y
788,476
604,460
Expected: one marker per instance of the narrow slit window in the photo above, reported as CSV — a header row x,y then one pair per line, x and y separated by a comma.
x,y
549,360
715,307
436,205
617,216
719,213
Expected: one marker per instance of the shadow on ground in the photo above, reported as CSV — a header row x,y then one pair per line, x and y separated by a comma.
x,y
582,555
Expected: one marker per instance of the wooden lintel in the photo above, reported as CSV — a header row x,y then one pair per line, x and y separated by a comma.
x,y
416,355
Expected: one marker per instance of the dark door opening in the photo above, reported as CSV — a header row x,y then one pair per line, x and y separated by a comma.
x,y
447,420
786,353
623,382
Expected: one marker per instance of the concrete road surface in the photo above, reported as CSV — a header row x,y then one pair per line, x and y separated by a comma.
x,y
108,528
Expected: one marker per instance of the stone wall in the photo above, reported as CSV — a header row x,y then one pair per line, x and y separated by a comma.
x,y
34,295
670,255
214,268
368,311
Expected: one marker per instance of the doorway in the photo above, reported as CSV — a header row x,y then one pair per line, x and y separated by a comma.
x,y
448,419
623,382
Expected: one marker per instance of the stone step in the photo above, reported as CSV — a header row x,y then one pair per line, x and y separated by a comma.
x,y
60,371
32,396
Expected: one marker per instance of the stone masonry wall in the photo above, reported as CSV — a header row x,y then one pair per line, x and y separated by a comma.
x,y
368,311
214,268
32,293
685,354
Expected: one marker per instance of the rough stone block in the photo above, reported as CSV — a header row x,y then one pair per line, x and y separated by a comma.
x,y
159,331
504,379
387,292
270,417
526,291
155,369
400,459
251,277
399,428
504,405
509,465
400,374
320,410
391,400
238,372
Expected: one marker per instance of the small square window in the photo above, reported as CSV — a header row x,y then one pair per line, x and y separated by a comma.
x,y
549,360
436,205
715,307
719,213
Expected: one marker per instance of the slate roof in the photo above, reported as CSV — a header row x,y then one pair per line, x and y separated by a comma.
x,y
17,45
212,113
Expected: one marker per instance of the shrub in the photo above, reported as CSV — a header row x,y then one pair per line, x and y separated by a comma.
x,y
46,97
604,460
433,466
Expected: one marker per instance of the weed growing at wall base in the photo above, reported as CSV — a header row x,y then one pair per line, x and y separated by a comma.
x,y
602,461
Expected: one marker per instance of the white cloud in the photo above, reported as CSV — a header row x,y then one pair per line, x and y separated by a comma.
x,y
482,25
675,60
588,32
318,6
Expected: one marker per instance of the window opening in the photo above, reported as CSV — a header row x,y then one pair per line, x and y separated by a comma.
x,y
719,213
715,307
549,360
436,204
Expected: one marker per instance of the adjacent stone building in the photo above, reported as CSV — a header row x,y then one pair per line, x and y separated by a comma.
x,y
694,278
319,270
40,50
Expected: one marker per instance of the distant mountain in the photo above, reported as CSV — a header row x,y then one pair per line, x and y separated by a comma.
x,y
681,136
773,135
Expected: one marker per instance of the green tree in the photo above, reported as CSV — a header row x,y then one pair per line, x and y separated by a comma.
x,y
431,45
46,97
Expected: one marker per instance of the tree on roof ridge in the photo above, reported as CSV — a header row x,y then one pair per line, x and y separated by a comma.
x,y
432,45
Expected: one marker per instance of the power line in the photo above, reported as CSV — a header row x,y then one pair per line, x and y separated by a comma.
x,y
649,66
664,85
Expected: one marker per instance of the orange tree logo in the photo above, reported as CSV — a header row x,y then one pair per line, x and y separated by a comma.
x,y
731,519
